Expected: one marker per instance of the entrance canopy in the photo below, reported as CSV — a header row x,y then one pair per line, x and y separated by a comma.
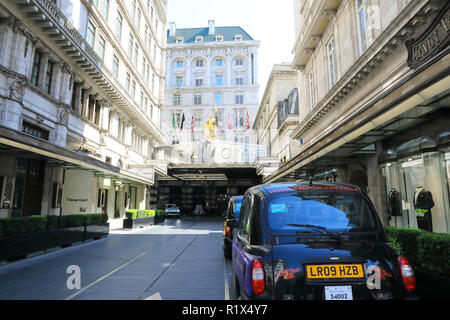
x,y
22,145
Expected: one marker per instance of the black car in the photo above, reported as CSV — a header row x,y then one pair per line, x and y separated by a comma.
x,y
231,216
315,241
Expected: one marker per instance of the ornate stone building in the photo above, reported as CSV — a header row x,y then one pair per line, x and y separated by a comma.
x,y
212,81
276,118
81,89
374,83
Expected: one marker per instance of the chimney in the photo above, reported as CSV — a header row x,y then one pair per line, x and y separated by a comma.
x,y
172,29
211,27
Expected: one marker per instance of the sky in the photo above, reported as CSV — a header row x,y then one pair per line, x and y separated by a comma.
x,y
269,21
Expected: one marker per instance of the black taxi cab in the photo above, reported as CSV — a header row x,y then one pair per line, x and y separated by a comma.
x,y
318,241
231,216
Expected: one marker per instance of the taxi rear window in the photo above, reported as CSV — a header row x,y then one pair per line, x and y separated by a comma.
x,y
329,209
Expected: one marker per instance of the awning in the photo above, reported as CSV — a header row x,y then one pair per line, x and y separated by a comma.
x,y
443,140
415,146
22,144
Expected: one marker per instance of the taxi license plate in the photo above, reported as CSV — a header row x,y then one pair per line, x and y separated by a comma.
x,y
334,271
339,293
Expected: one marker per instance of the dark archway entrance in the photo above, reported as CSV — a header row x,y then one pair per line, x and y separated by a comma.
x,y
359,178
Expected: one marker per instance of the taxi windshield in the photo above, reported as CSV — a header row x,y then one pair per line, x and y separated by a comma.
x,y
343,211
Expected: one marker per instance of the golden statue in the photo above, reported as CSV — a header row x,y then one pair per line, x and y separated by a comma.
x,y
210,128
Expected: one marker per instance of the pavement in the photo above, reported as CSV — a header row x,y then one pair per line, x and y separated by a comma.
x,y
181,259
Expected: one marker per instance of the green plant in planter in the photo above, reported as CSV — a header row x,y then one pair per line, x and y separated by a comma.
x,y
21,225
427,250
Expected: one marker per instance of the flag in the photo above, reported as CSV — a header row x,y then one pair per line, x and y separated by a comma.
x,y
182,121
174,121
248,124
192,124
229,123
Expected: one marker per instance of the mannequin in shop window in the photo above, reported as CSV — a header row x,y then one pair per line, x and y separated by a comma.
x,y
394,203
423,202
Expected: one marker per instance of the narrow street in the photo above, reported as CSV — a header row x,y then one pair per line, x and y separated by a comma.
x,y
180,259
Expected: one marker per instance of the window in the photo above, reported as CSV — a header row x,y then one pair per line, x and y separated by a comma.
x,y
331,64
198,119
180,64
119,21
127,82
133,89
311,90
219,80
239,99
136,53
133,9
35,131
238,37
177,99
144,62
179,40
199,63
334,210
90,34
198,82
219,117
101,47
240,118
105,9
197,99
244,220
219,62
130,45
239,62
218,98
48,77
198,39
219,38
36,68
239,81
138,19
361,20
179,81
145,35
153,83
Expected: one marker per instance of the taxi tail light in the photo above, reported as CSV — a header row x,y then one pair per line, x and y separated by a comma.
x,y
227,231
258,278
407,274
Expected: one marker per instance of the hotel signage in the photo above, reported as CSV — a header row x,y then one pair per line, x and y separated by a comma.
x,y
435,39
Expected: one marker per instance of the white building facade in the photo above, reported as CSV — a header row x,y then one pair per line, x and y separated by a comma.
x,y
81,89
212,82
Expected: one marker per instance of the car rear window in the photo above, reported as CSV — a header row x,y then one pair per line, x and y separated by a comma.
x,y
328,209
